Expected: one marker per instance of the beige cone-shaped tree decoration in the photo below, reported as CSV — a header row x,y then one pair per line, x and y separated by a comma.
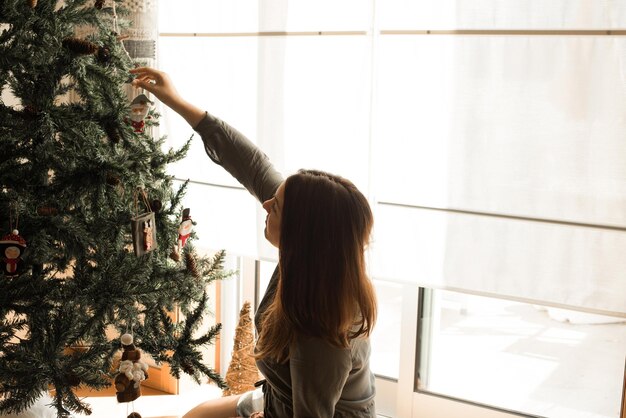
x,y
242,372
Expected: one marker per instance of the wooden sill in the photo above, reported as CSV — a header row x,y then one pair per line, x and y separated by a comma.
x,y
110,391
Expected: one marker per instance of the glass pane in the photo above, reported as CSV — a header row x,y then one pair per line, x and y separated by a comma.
x,y
266,269
574,266
225,218
216,74
499,14
237,16
385,357
520,125
535,360
322,110
208,16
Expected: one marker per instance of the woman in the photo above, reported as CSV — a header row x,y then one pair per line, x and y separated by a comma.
x,y
319,308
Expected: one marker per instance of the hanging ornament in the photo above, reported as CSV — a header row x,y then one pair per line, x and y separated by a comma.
x,y
139,108
80,46
143,228
32,3
185,228
12,247
184,232
134,415
132,371
147,234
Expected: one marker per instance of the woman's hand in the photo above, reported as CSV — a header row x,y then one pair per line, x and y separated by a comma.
x,y
156,82
159,83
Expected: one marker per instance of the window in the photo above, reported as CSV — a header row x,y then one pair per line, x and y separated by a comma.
x,y
385,359
533,359
488,136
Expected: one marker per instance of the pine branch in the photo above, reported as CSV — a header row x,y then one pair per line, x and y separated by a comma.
x,y
69,169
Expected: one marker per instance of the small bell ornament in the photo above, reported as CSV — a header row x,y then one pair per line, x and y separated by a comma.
x,y
12,247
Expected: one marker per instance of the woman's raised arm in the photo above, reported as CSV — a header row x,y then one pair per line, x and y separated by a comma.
x,y
158,83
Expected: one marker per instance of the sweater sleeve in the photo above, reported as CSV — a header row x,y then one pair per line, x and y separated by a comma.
x,y
239,156
318,374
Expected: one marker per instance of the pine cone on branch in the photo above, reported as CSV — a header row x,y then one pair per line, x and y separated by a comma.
x,y
80,46
47,211
192,265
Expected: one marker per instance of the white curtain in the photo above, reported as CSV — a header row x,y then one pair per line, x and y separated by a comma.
x,y
495,162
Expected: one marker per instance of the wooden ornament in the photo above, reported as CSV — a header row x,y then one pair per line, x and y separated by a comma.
x,y
32,3
134,415
144,233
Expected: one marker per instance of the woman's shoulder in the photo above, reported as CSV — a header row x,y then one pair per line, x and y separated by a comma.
x,y
307,348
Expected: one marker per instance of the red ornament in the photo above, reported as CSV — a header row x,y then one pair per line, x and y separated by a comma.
x,y
185,228
12,247
139,108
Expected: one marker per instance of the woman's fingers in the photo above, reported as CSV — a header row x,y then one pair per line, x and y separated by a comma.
x,y
146,75
143,70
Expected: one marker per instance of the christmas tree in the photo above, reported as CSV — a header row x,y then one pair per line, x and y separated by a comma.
x,y
88,213
242,372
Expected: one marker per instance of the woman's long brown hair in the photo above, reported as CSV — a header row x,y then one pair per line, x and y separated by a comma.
x,y
323,289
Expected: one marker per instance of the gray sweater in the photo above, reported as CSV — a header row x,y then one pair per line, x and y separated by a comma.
x,y
318,380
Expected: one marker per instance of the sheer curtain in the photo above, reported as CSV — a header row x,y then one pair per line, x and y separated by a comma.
x,y
489,135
